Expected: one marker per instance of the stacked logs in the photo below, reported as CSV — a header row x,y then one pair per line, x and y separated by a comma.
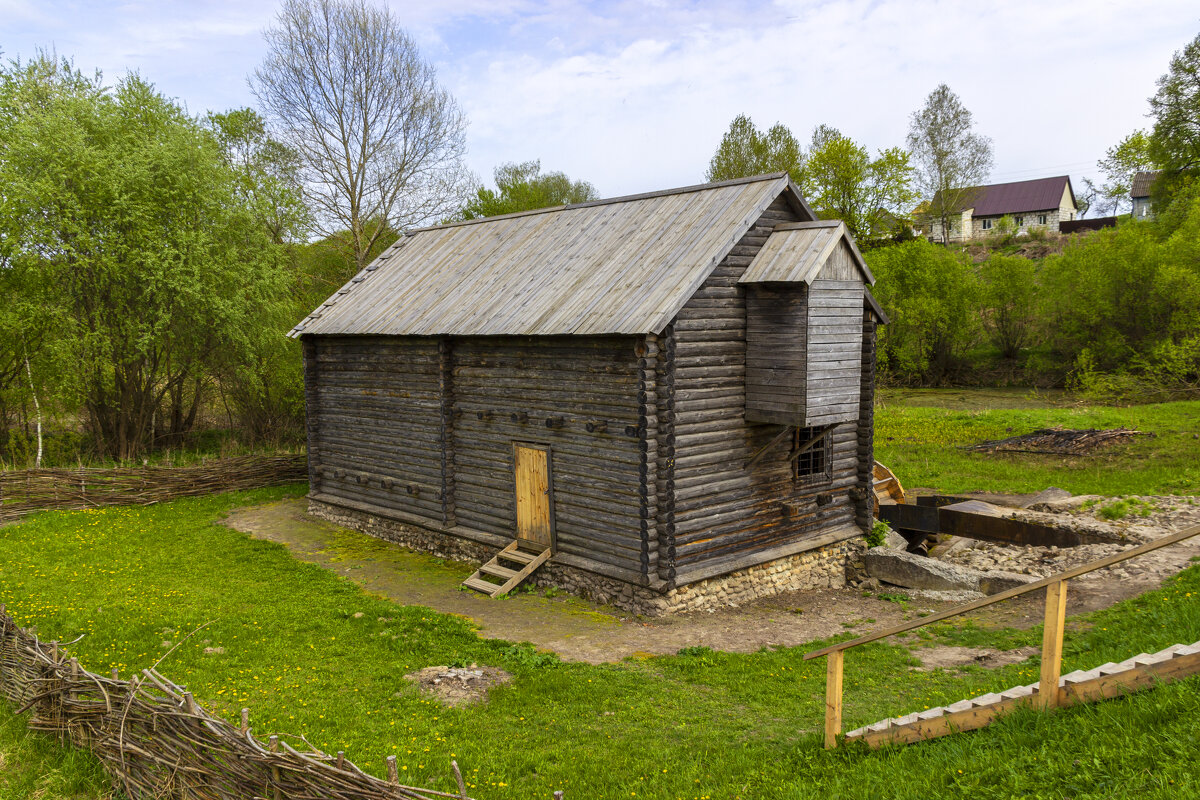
x,y
156,741
26,491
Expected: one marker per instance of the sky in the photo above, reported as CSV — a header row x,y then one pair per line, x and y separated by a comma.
x,y
635,96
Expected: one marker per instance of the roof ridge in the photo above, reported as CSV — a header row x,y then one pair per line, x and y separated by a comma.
x,y
770,176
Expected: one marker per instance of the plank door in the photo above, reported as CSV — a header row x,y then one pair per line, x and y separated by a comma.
x,y
535,519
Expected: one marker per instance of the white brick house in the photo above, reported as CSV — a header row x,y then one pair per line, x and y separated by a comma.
x,y
1040,203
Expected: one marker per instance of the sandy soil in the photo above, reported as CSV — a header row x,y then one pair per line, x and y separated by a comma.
x,y
582,631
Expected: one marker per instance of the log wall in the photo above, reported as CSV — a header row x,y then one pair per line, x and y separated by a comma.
x,y
374,421
725,514
426,427
507,389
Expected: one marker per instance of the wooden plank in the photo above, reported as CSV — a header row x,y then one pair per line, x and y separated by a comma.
x,y
1083,569
1100,688
833,698
1052,642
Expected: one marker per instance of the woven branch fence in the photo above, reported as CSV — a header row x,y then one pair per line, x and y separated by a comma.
x,y
26,491
157,742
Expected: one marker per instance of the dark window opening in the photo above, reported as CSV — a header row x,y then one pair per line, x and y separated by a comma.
x,y
815,463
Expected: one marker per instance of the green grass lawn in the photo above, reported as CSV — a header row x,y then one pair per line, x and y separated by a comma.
x,y
36,766
699,724
922,445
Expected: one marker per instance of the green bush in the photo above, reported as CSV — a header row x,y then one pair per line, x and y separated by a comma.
x,y
931,294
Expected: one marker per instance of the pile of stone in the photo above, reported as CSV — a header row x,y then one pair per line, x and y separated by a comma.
x,y
960,569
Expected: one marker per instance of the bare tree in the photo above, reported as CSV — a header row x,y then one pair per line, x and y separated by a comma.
x,y
381,143
950,158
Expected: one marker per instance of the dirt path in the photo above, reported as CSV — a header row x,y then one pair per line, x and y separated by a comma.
x,y
581,631
575,629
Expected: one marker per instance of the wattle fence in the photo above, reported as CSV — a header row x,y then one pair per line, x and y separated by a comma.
x,y
157,742
23,492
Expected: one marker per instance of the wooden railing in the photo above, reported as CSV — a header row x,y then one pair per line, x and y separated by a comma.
x,y
1052,636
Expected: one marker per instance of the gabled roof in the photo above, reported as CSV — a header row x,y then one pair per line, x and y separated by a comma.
x,y
1020,197
620,266
796,251
1142,182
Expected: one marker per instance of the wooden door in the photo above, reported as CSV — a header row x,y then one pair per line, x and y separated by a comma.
x,y
535,519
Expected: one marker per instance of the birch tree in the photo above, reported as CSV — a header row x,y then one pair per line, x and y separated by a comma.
x,y
381,143
951,159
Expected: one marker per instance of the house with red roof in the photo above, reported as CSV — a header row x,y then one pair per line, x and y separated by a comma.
x,y
1040,203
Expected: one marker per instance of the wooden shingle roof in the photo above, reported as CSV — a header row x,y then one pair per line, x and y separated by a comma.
x,y
796,251
621,266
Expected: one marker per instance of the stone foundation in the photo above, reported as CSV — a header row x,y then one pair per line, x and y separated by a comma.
x,y
820,568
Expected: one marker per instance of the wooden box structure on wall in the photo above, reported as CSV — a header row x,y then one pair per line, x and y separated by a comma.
x,y
655,344
804,301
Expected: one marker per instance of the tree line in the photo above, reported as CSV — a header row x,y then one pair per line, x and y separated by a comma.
x,y
151,259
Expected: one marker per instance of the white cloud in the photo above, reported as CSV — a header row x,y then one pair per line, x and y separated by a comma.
x,y
635,95
1053,85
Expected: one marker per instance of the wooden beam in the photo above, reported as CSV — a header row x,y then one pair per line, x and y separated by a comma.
x,y
762,450
1075,572
833,698
1101,688
1052,644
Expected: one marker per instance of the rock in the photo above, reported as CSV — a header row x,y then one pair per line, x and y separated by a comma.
x,y
996,581
1064,505
1051,495
918,572
895,541
953,545
947,596
870,585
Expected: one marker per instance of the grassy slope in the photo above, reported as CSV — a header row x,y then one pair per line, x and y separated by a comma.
x,y
700,724
922,446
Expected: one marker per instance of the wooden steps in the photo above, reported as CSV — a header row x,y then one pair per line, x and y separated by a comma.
x,y
509,577
1081,686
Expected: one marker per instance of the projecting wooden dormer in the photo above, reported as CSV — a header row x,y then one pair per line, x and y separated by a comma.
x,y
804,326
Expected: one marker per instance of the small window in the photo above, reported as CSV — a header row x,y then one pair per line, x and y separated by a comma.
x,y
1041,219
1019,221
815,464
987,224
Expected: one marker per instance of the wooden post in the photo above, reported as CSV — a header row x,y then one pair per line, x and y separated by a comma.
x,y
458,778
393,774
245,721
833,697
273,746
1052,642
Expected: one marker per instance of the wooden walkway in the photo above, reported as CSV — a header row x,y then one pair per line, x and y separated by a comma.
x,y
1109,680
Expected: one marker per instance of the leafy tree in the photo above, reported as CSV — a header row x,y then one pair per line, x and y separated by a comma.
x,y
131,232
931,295
746,151
1009,289
523,187
268,171
842,181
1126,302
951,159
1120,164
1175,107
381,143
